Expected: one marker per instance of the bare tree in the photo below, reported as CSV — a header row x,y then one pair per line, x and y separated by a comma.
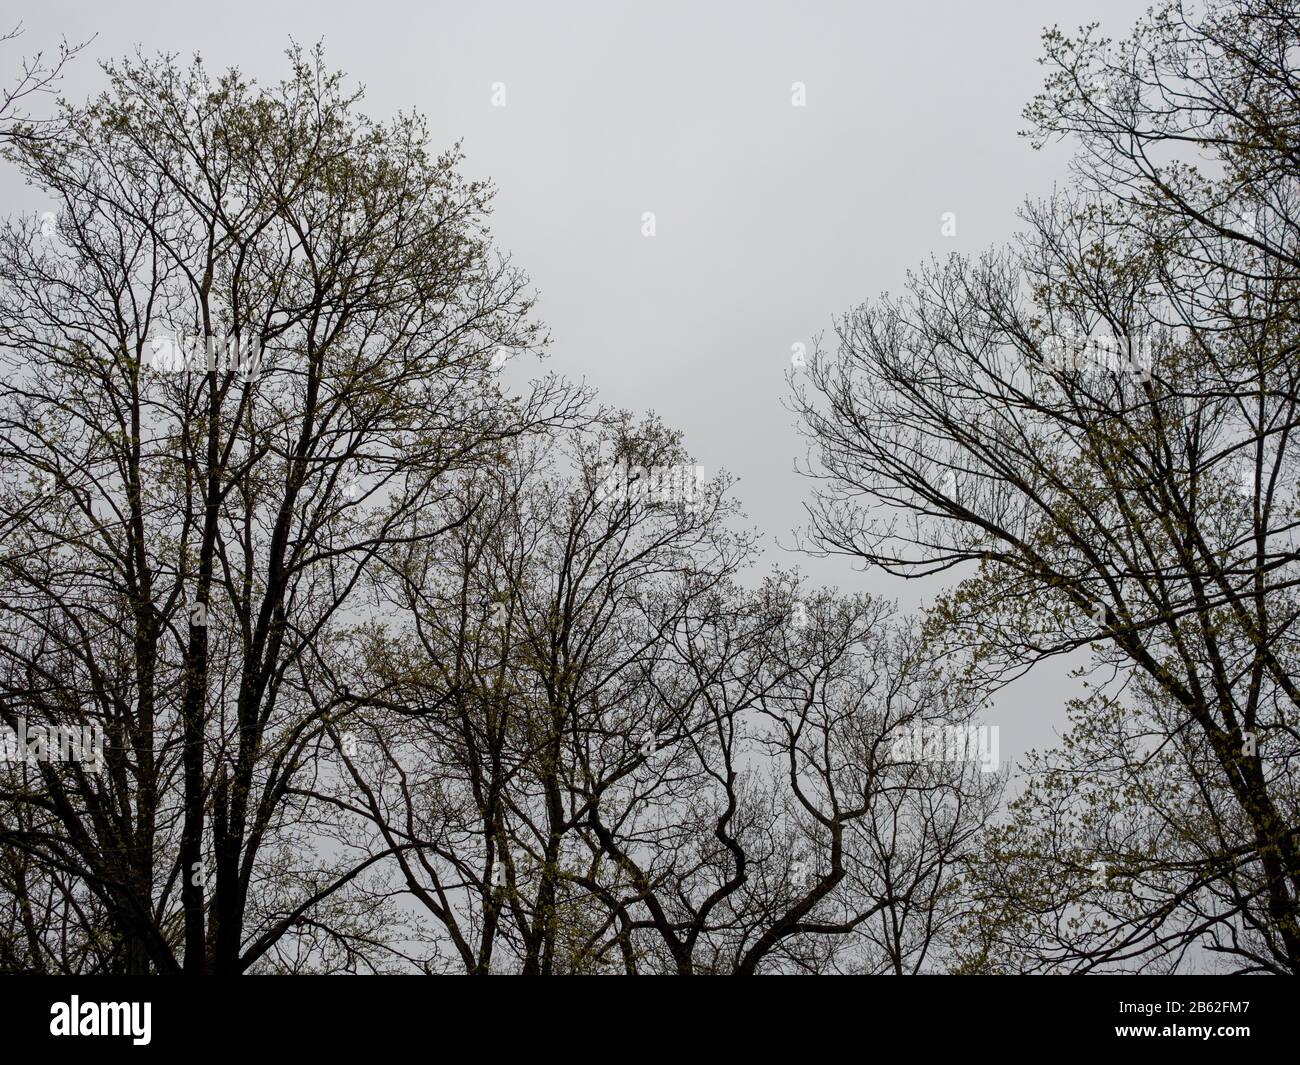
x,y
816,809
37,77
255,350
591,751
1094,429
510,643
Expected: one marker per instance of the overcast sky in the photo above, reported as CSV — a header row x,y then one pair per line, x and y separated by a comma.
x,y
770,219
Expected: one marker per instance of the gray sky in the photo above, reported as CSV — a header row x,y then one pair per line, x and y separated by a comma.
x,y
770,219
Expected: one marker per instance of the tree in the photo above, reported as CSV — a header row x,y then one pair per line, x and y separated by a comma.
x,y
590,750
255,352
813,813
1094,428
512,642
38,76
